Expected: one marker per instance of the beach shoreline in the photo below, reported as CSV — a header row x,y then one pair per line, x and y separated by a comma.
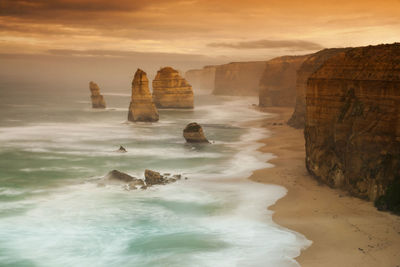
x,y
345,231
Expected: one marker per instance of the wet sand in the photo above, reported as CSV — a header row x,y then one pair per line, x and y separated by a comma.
x,y
345,231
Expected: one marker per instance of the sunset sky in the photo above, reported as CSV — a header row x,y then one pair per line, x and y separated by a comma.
x,y
204,31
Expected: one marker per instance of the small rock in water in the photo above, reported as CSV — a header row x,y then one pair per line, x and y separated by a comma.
x,y
144,187
122,149
177,176
167,174
171,180
193,133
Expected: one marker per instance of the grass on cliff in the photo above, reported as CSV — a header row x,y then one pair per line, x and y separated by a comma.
x,y
391,199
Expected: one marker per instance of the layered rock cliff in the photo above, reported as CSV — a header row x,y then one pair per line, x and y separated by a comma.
x,y
352,128
278,83
97,98
309,66
202,79
142,107
170,90
238,78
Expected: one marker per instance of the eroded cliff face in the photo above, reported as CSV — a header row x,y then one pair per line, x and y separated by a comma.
x,y
352,128
238,78
202,79
308,67
278,83
96,97
142,107
170,90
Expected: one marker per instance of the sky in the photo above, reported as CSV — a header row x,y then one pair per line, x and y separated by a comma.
x,y
188,33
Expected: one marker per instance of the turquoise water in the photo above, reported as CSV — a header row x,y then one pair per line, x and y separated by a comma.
x,y
52,145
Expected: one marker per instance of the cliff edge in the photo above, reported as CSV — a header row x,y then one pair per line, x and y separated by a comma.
x,y
352,127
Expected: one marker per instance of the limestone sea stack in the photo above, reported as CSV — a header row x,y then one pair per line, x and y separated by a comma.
x,y
309,66
97,98
202,79
238,78
170,90
352,128
278,82
142,107
193,133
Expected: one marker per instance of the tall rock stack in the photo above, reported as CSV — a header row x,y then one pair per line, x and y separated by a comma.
x,y
352,128
170,90
238,78
142,107
309,66
278,83
97,98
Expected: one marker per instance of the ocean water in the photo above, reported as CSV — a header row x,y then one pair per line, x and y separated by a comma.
x,y
53,145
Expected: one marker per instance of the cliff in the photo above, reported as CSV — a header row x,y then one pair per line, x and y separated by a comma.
x,y
202,79
97,98
238,78
352,128
142,107
309,66
278,82
170,90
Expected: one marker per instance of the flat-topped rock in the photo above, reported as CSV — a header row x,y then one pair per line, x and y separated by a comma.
x,y
170,90
352,127
142,107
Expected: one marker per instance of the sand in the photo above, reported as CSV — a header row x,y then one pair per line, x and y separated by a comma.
x,y
345,231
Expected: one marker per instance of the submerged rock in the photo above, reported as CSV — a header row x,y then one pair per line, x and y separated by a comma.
x,y
97,98
193,133
115,175
170,90
142,107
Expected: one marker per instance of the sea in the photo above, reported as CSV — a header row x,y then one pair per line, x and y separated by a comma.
x,y
53,146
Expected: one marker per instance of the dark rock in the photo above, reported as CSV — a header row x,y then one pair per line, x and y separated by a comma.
x,y
193,133
119,176
122,149
153,178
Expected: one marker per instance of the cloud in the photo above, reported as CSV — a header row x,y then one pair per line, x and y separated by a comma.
x,y
270,44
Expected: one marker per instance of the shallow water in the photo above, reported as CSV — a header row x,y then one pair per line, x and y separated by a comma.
x,y
52,143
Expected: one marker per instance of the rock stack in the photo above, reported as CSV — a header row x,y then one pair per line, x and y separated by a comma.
x,y
97,98
352,127
170,90
142,107
193,133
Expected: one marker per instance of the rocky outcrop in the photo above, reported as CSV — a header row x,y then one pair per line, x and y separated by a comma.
x,y
155,178
238,78
142,107
202,79
170,90
352,128
309,66
193,133
278,82
97,98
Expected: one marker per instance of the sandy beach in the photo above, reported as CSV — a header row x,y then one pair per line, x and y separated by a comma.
x,y
345,231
